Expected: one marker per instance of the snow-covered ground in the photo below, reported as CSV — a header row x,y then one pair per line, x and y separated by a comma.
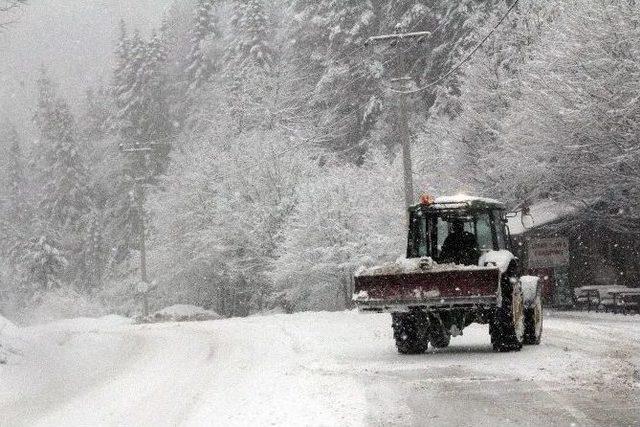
x,y
318,369
10,342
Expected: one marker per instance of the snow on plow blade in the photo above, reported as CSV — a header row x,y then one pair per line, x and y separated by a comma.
x,y
398,292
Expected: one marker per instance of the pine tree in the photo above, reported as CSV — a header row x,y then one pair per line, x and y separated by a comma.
x,y
15,213
199,67
140,93
130,96
158,123
45,265
94,254
66,196
251,44
347,97
16,175
250,63
97,111
351,80
121,79
143,119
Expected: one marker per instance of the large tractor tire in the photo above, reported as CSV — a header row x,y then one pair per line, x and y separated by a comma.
x,y
507,327
439,338
411,332
533,322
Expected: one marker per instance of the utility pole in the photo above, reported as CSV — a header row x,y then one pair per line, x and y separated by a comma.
x,y
404,79
139,196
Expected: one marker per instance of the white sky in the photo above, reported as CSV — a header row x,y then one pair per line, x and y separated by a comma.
x,y
74,38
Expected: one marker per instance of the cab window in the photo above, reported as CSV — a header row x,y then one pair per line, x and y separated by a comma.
x,y
483,232
498,223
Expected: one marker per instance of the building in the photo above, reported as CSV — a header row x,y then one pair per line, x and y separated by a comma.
x,y
560,245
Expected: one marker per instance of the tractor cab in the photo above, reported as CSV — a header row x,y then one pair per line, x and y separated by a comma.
x,y
456,229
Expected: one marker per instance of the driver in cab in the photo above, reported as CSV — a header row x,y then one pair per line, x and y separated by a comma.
x,y
460,246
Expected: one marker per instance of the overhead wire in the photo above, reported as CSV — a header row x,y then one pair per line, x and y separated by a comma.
x,y
463,61
344,121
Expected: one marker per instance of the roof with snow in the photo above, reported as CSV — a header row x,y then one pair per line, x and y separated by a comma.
x,y
540,213
463,200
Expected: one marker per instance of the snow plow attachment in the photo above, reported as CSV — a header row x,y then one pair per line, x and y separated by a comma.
x,y
427,289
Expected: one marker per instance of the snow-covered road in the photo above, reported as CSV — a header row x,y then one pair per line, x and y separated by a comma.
x,y
319,369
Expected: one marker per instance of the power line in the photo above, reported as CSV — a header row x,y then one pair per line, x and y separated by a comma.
x,y
337,126
461,63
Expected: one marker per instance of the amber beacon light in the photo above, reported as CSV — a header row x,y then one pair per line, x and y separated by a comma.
x,y
427,199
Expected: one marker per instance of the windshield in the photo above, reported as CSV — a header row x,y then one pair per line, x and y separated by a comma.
x,y
450,236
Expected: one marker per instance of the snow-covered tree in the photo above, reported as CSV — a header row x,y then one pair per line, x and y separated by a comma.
x,y
121,78
16,197
470,124
44,264
65,197
219,221
577,123
350,95
142,114
346,217
15,203
250,39
329,48
250,61
199,66
7,7
143,118
97,111
95,255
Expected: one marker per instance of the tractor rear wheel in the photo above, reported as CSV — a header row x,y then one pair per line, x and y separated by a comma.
x,y
507,327
533,323
410,331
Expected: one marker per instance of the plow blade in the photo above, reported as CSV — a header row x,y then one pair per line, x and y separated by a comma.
x,y
427,289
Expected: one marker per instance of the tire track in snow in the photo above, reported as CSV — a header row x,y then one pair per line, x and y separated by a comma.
x,y
342,369
154,388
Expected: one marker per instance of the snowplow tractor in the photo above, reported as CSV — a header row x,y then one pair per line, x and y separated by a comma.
x,y
459,269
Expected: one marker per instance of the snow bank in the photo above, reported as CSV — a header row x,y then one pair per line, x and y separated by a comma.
x,y
10,344
81,324
6,327
64,303
412,265
183,313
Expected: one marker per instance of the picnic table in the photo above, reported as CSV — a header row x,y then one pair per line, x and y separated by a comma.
x,y
615,298
588,299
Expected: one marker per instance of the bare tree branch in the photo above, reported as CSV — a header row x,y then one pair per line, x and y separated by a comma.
x,y
6,7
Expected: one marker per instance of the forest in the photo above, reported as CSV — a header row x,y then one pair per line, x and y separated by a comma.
x,y
247,150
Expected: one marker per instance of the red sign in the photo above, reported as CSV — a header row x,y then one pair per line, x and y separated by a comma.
x,y
550,252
